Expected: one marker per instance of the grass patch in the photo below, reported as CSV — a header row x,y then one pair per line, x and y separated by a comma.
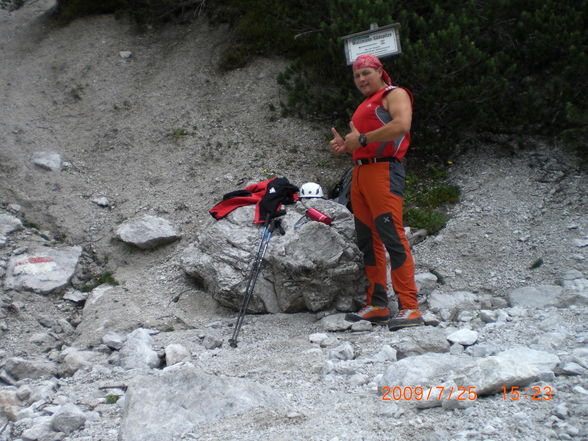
x,y
427,197
440,278
438,196
177,134
234,58
28,224
429,219
106,277
111,399
76,92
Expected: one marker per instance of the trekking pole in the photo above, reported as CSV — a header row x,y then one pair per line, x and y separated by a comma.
x,y
245,301
255,270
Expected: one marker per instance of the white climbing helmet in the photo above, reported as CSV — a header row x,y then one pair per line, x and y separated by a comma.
x,y
311,190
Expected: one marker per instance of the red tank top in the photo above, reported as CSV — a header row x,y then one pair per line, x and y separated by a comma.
x,y
371,115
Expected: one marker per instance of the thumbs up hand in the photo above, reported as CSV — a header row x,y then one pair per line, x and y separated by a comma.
x,y
337,144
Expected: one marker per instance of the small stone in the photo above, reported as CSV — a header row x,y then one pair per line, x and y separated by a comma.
x,y
456,349
481,350
329,341
125,55
465,316
101,201
293,414
362,325
581,243
571,368
488,316
387,353
342,352
561,411
175,353
68,418
8,224
572,430
73,295
211,342
47,160
113,340
317,338
425,283
335,322
430,319
464,337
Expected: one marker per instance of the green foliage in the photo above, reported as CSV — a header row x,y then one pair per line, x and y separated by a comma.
x,y
440,278
141,11
68,10
178,133
536,264
76,92
426,197
106,277
111,399
28,224
430,220
576,136
437,196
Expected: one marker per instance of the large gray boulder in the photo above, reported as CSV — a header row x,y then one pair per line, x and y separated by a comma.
x,y
147,232
173,403
313,267
489,375
421,370
453,303
108,309
18,368
534,297
424,340
42,269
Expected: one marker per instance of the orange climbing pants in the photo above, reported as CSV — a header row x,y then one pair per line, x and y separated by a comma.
x,y
377,192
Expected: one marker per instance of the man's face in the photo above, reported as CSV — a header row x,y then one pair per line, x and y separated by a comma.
x,y
368,80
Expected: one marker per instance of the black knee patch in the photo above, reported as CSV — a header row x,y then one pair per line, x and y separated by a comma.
x,y
379,296
365,242
390,239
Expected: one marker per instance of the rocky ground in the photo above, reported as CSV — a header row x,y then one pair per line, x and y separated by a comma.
x,y
161,132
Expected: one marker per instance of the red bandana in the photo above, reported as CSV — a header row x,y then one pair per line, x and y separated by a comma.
x,y
371,61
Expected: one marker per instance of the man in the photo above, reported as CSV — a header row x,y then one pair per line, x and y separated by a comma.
x,y
379,139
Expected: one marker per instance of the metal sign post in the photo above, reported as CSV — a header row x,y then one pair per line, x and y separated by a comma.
x,y
379,41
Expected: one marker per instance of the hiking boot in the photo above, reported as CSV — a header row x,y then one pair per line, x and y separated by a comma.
x,y
406,318
374,314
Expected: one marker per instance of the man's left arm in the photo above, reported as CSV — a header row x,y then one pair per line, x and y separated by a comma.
x,y
399,106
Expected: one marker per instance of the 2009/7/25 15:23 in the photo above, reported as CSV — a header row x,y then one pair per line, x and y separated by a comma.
x,y
535,393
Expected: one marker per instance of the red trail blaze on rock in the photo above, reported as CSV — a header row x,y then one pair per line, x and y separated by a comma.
x,y
36,260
